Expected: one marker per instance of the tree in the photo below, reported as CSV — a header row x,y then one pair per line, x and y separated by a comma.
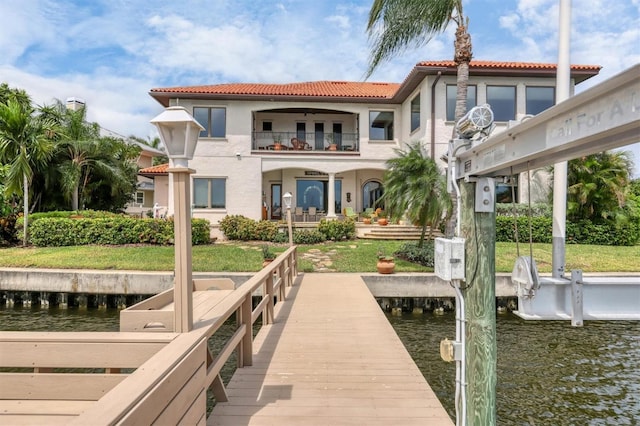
x,y
415,187
598,186
25,145
92,171
395,25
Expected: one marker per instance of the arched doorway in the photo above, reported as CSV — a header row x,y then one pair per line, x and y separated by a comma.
x,y
371,191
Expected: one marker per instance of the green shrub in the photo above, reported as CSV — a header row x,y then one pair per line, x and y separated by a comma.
x,y
238,227
420,255
117,230
537,209
541,229
582,232
265,230
337,230
308,236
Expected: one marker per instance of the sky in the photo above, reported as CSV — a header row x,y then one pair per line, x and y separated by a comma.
x,y
110,53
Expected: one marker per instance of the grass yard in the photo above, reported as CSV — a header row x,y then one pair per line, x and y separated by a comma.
x,y
346,256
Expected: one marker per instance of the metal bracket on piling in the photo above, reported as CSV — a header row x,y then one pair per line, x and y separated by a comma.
x,y
576,298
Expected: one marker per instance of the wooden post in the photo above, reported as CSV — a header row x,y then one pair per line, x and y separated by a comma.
x,y
183,285
479,231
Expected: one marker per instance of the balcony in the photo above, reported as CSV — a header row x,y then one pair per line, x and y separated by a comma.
x,y
297,142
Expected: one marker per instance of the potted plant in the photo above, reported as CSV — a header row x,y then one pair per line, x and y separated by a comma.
x,y
366,218
332,145
277,141
382,218
386,264
267,255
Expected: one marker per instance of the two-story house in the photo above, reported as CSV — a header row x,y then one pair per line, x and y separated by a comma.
x,y
326,142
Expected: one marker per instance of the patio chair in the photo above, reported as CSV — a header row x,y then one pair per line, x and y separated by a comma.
x,y
312,212
299,144
348,212
298,214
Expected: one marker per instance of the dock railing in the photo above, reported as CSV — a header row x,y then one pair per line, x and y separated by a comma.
x,y
171,372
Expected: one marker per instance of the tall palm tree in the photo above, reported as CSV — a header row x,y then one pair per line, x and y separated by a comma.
x,y
598,186
25,145
415,187
395,25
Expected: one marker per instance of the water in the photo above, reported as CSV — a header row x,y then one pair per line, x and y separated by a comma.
x,y
549,373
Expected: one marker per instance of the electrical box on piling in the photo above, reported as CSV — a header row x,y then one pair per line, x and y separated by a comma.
x,y
449,258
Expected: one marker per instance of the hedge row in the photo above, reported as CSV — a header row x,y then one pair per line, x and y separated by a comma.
x,y
583,232
57,232
238,227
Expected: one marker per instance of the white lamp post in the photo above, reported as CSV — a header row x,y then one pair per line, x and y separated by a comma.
x,y
179,133
286,198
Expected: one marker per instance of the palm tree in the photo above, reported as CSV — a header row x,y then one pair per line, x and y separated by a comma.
x,y
25,145
598,186
415,187
395,25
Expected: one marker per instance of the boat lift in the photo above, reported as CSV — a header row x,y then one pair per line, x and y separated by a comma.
x,y
605,117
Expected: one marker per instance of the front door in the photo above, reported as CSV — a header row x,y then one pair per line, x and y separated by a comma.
x,y
276,201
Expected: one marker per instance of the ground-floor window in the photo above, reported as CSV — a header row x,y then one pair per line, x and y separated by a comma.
x,y
209,193
371,192
505,192
315,193
140,197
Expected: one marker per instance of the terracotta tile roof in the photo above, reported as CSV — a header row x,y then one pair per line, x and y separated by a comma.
x,y
155,170
508,65
350,91
341,89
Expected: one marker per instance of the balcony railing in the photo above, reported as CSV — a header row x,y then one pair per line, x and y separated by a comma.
x,y
309,142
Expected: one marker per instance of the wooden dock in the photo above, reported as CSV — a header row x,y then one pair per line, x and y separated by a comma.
x,y
325,355
330,358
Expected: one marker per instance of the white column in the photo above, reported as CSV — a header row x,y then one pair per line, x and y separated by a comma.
x,y
331,196
563,82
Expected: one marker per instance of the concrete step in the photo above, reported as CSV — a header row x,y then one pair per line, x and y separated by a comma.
x,y
392,232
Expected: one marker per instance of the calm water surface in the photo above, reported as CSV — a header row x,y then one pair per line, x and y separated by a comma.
x,y
549,373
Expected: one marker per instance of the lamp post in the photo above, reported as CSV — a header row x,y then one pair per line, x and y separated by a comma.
x,y
179,134
286,198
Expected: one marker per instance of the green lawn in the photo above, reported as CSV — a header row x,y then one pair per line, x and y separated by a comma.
x,y
348,256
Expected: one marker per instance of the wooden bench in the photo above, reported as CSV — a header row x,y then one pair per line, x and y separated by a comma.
x,y
156,313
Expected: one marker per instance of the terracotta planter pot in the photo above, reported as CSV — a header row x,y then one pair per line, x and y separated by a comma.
x,y
386,266
383,221
366,221
266,262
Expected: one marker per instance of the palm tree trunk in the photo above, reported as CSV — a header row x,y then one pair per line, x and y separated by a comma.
x,y
25,206
422,234
74,199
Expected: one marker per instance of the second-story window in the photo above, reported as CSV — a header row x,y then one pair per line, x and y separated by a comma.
x,y
503,102
381,125
451,100
209,193
415,113
214,121
539,99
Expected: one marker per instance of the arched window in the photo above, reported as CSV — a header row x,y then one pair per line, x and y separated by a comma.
x,y
371,191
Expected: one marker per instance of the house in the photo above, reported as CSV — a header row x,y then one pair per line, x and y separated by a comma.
x,y
326,142
146,195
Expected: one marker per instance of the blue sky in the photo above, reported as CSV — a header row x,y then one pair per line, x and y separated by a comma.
x,y
111,52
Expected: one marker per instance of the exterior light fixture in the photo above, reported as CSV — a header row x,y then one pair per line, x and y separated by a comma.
x,y
286,198
179,133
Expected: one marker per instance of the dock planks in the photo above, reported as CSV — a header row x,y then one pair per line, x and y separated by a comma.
x,y
331,358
